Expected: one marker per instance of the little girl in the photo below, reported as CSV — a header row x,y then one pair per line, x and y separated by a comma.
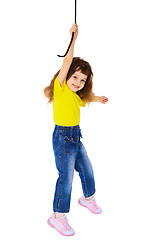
x,y
71,88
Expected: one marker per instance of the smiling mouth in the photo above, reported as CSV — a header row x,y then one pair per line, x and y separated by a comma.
x,y
75,86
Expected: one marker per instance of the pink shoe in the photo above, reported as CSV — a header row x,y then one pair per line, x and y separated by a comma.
x,y
61,225
91,205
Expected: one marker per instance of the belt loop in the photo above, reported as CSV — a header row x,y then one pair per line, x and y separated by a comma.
x,y
80,133
57,129
71,128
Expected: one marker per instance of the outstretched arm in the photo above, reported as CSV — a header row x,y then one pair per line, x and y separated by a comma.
x,y
101,99
69,57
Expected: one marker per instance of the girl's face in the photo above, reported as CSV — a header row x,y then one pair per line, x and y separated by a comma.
x,y
77,81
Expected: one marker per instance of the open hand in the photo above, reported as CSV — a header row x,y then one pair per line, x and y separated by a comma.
x,y
103,99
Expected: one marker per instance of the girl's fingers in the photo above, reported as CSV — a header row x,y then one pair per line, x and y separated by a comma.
x,y
74,27
104,100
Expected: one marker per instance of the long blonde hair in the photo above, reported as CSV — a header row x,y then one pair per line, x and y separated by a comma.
x,y
86,93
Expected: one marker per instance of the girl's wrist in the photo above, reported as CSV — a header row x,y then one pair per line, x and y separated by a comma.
x,y
99,99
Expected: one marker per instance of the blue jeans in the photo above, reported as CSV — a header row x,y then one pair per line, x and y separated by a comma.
x,y
70,154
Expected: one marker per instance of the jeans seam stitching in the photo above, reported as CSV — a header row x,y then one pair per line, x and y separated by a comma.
x,y
62,179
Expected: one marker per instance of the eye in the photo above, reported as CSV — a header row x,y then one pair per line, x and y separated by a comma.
x,y
83,80
75,77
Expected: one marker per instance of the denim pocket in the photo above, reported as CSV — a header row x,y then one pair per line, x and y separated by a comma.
x,y
70,145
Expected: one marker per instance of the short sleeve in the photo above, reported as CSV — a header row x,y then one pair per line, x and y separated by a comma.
x,y
83,103
57,86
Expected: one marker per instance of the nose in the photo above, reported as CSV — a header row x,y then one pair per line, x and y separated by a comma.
x,y
78,83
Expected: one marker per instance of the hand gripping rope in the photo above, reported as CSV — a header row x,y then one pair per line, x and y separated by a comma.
x,y
71,37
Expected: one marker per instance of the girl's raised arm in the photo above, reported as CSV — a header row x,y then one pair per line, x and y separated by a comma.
x,y
69,57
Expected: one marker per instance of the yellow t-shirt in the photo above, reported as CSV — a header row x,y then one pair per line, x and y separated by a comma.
x,y
66,105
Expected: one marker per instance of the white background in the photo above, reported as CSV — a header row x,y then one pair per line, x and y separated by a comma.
x,y
110,38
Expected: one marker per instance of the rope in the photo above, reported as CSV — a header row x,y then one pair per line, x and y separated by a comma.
x,y
71,37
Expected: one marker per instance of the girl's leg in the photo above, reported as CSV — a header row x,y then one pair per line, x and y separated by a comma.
x,y
85,169
62,197
65,150
59,215
89,198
